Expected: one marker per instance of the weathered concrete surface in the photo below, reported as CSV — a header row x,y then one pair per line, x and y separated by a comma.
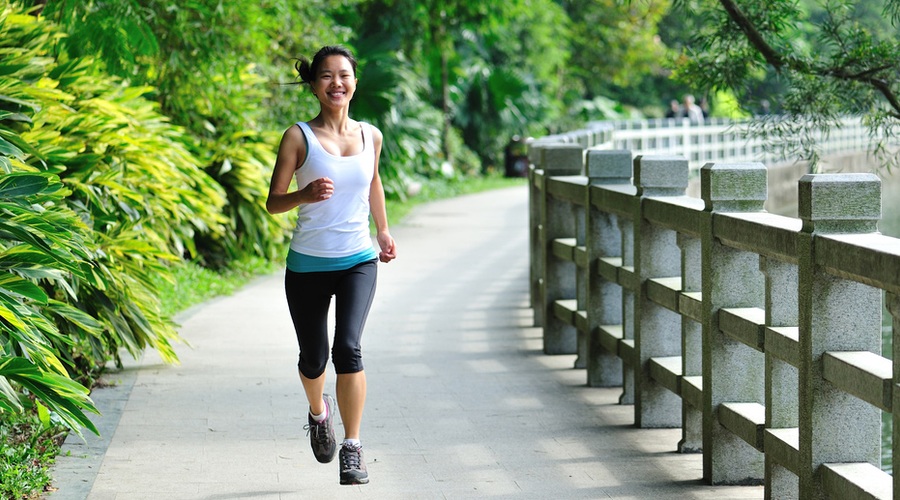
x,y
462,403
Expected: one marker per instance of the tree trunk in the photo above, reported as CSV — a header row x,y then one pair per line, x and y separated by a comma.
x,y
444,45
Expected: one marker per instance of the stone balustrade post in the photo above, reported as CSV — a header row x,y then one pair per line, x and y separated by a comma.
x,y
558,220
732,371
781,376
626,230
535,194
691,343
581,280
657,330
892,301
835,314
604,239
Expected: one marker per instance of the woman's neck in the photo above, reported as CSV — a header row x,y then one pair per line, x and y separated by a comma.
x,y
332,121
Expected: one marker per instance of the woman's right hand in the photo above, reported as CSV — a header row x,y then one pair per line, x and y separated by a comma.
x,y
318,190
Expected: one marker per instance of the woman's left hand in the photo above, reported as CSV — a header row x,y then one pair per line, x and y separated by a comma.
x,y
388,247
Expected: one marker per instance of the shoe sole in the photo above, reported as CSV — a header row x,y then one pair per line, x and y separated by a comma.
x,y
351,482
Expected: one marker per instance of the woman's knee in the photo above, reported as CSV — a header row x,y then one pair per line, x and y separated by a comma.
x,y
312,368
347,359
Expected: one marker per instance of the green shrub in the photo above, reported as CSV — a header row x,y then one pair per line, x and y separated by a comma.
x,y
27,449
98,193
41,242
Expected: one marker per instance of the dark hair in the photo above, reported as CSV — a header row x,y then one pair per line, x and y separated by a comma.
x,y
307,71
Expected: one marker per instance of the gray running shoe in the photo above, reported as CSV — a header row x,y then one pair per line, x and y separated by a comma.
x,y
321,434
353,466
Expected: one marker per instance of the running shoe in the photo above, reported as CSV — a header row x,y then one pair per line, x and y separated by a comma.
x,y
321,434
353,466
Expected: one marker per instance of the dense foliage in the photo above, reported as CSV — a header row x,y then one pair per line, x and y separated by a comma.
x,y
83,155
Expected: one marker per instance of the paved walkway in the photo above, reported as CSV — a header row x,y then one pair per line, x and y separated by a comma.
x,y
462,403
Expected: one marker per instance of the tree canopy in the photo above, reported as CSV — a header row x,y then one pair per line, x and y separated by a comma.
x,y
815,61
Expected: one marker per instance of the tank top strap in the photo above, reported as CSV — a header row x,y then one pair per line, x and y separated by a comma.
x,y
367,135
311,139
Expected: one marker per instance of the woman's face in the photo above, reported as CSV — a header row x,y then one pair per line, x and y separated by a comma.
x,y
335,81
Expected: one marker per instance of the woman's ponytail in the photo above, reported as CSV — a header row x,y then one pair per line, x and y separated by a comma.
x,y
304,70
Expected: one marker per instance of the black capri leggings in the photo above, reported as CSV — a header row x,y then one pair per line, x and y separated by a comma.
x,y
309,296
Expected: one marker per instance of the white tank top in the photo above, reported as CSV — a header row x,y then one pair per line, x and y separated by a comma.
x,y
338,226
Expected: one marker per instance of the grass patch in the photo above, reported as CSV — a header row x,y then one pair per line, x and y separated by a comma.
x,y
195,284
27,450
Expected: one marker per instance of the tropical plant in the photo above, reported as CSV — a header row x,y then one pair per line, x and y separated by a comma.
x,y
389,96
99,191
131,179
240,163
239,157
498,103
40,240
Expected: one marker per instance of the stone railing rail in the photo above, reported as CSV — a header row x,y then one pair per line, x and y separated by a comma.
x,y
758,335
720,139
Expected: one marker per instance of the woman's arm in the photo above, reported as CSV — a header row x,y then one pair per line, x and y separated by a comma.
x,y
378,208
290,152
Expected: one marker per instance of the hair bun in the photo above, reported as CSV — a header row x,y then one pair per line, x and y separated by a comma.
x,y
304,70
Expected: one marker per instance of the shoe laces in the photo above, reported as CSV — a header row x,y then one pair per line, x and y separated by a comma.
x,y
316,430
350,458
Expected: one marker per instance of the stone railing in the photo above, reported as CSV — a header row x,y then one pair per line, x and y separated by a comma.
x,y
720,139
758,335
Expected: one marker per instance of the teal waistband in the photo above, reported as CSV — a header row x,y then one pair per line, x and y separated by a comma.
x,y
302,263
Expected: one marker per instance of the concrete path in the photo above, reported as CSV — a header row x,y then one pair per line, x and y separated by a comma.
x,y
462,403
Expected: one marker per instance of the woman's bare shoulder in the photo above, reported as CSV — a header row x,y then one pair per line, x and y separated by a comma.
x,y
293,132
